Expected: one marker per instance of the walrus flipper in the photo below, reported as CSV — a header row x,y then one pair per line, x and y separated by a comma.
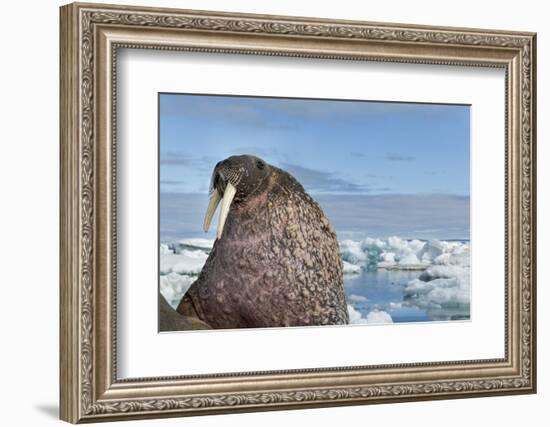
x,y
171,320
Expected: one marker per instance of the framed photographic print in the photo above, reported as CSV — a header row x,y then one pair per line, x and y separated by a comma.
x,y
265,212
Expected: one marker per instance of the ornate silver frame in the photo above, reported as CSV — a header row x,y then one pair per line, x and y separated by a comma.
x,y
90,36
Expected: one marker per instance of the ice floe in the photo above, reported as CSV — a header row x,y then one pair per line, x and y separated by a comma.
x,y
350,268
441,289
180,264
374,316
402,254
185,262
191,244
173,286
379,316
357,298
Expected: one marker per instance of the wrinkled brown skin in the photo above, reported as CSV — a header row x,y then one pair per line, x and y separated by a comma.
x,y
171,320
276,264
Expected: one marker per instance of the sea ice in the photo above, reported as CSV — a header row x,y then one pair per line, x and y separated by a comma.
x,y
379,316
184,262
400,254
349,268
442,287
173,286
165,249
357,298
375,316
442,290
180,263
355,317
191,244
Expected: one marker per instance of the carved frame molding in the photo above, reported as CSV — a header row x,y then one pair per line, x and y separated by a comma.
x,y
90,37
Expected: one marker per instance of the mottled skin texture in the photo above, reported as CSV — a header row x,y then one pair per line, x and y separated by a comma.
x,y
277,262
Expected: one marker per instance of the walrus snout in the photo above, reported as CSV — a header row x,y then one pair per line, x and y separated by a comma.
x,y
224,173
235,176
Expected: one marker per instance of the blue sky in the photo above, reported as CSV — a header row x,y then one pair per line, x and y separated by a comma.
x,y
357,149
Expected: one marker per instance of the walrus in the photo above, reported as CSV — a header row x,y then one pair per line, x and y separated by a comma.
x,y
171,320
275,261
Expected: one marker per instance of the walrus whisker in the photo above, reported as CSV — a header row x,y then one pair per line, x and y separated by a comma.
x,y
232,175
215,199
228,197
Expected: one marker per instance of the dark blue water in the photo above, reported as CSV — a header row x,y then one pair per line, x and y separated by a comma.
x,y
383,290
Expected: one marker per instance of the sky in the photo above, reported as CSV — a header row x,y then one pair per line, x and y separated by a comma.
x,y
404,161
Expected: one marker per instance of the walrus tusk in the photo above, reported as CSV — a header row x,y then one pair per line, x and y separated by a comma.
x,y
212,205
228,196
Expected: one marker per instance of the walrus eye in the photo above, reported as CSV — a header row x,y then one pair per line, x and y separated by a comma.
x,y
260,165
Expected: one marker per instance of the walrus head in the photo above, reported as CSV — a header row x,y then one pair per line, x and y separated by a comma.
x,y
234,180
